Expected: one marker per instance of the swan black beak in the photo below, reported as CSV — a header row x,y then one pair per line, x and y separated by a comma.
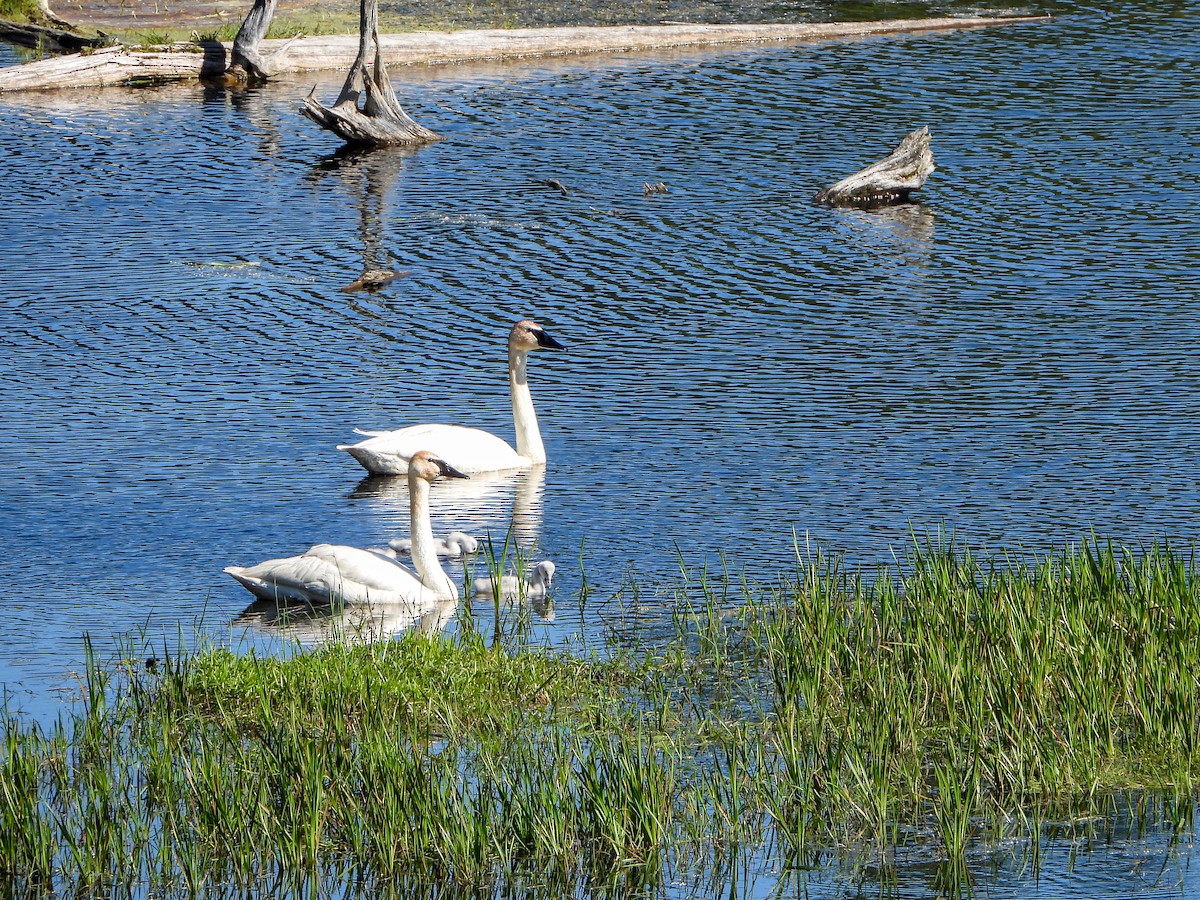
x,y
449,471
544,340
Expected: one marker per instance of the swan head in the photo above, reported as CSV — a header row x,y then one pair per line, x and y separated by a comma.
x,y
529,335
463,543
429,467
543,573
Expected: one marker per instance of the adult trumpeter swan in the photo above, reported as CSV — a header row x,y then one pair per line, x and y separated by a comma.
x,y
334,572
454,545
472,449
534,588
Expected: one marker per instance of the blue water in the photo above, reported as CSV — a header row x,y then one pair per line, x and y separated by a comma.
x,y
1013,359
1010,360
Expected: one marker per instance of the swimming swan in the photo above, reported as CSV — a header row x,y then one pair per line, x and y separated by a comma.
x,y
454,545
472,449
334,572
535,586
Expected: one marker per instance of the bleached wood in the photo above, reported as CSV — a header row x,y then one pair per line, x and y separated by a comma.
x,y
247,62
113,66
380,120
891,180
311,54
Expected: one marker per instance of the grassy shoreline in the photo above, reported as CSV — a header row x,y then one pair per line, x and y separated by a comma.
x,y
943,703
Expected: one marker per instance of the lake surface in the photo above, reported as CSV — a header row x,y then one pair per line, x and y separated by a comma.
x,y
1013,360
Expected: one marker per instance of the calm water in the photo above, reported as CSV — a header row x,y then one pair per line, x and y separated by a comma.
x,y
1014,359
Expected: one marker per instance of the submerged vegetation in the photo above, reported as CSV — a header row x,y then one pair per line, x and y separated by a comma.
x,y
941,703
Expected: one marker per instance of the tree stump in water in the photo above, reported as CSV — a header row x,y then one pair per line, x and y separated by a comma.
x,y
890,180
381,120
246,64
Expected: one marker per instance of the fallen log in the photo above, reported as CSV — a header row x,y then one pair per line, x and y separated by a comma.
x,y
55,40
310,54
891,180
116,66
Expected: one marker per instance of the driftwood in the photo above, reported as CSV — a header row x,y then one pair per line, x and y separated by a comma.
x,y
890,180
246,62
115,66
381,121
53,39
329,52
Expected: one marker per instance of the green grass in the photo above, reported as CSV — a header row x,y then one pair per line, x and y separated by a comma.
x,y
20,11
945,702
312,23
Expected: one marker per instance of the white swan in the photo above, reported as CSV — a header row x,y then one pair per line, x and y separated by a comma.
x,y
334,572
454,545
472,449
511,588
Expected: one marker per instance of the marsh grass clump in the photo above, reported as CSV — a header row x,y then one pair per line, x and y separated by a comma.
x,y
938,706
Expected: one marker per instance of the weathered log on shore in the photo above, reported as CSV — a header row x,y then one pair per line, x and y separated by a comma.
x,y
891,180
55,40
115,66
423,47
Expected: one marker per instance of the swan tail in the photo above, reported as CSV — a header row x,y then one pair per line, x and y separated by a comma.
x,y
273,590
376,462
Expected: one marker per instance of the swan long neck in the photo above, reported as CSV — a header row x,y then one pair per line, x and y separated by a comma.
x,y
424,557
529,436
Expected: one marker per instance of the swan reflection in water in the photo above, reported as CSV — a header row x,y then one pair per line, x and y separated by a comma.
x,y
487,504
358,623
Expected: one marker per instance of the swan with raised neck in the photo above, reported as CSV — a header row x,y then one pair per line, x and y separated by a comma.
x,y
336,573
472,449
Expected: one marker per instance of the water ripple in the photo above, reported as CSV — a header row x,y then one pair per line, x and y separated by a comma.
x,y
1007,358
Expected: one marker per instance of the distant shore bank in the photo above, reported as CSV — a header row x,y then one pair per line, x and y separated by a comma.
x,y
122,66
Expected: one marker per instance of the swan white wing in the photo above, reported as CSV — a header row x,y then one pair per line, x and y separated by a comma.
x,y
290,580
328,572
366,570
469,450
